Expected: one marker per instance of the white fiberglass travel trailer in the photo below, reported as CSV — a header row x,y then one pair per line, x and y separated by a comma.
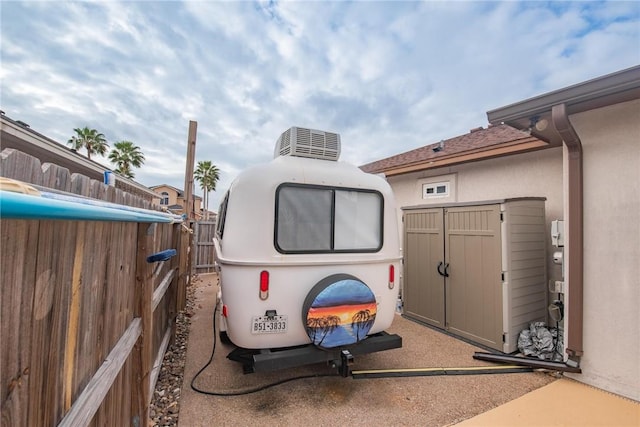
x,y
308,254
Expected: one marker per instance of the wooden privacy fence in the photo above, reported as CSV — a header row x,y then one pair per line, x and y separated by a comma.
x,y
203,246
85,319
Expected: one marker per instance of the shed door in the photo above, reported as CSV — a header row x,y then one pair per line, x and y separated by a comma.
x,y
423,287
474,284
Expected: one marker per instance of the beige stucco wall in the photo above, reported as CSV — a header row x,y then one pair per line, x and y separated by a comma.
x,y
611,168
173,195
536,174
175,200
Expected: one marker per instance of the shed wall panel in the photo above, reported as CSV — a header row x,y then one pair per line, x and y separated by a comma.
x,y
423,287
472,249
524,263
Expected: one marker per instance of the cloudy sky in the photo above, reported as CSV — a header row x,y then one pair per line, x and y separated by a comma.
x,y
387,76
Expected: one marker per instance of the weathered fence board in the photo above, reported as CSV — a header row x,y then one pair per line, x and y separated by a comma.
x,y
203,241
16,313
160,291
87,404
71,293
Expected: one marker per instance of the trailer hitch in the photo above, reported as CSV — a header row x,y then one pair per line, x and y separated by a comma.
x,y
346,360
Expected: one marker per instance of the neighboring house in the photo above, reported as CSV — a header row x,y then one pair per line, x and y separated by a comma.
x,y
17,135
172,198
579,147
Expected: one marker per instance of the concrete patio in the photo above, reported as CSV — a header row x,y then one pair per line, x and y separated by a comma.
x,y
528,399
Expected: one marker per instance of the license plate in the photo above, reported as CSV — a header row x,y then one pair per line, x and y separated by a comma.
x,y
269,325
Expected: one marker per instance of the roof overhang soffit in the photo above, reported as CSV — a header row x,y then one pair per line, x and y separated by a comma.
x,y
534,114
505,149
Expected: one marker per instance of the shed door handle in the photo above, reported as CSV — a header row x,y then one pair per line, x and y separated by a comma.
x,y
446,269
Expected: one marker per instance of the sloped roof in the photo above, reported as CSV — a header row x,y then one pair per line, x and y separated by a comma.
x,y
178,191
479,143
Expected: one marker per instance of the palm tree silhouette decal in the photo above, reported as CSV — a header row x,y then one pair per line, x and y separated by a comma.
x,y
361,322
313,323
322,326
339,311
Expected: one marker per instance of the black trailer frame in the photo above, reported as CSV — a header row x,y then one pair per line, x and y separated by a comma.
x,y
340,357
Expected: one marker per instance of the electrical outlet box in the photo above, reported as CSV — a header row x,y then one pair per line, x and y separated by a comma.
x,y
557,233
556,286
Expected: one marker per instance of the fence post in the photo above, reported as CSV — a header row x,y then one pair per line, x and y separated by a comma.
x,y
184,278
143,352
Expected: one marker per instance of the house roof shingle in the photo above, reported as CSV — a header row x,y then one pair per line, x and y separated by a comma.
x,y
480,142
178,191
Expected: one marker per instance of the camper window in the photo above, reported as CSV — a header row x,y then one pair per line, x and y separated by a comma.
x,y
222,216
318,219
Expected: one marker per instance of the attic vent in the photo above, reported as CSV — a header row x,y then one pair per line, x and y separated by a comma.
x,y
302,142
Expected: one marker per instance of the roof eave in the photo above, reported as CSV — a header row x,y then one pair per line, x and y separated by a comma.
x,y
607,90
468,157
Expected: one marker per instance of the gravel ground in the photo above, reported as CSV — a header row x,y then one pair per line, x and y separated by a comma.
x,y
429,401
165,402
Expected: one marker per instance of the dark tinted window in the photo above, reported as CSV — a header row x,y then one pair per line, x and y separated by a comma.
x,y
318,219
222,216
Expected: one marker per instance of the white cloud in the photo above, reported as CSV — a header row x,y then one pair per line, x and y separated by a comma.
x,y
388,76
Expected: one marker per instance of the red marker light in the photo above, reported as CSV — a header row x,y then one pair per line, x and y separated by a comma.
x,y
264,284
392,276
224,310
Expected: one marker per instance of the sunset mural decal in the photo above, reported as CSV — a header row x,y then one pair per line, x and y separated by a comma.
x,y
339,311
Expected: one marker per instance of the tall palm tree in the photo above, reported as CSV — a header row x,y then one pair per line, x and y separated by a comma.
x,y
208,175
89,139
126,155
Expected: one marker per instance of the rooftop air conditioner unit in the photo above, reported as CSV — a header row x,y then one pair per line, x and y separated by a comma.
x,y
302,142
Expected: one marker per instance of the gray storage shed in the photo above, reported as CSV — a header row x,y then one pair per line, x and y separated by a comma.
x,y
477,270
